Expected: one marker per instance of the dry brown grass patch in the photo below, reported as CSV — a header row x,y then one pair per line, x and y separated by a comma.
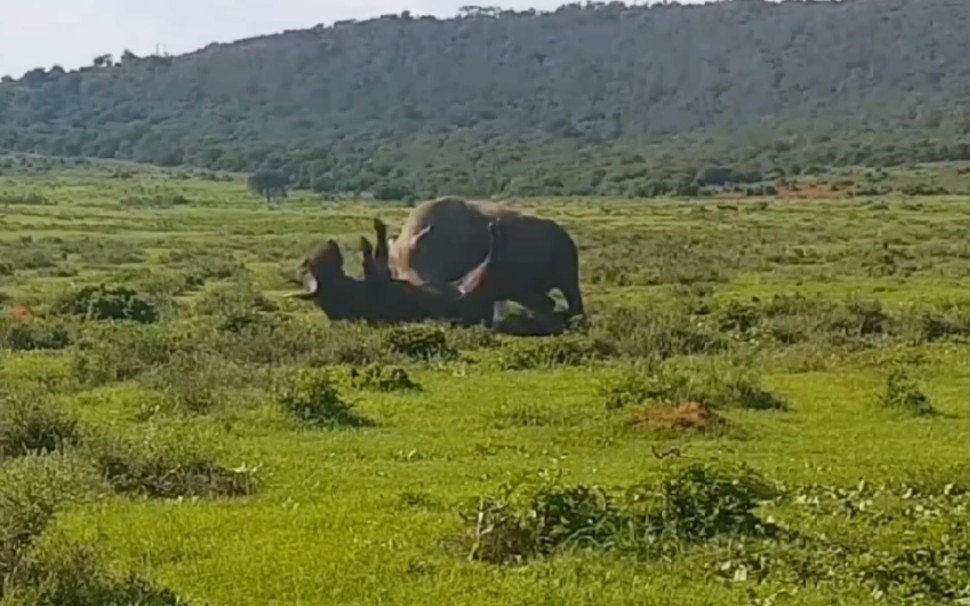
x,y
691,416
21,314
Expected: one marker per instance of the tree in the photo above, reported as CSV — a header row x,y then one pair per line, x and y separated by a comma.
x,y
104,61
269,183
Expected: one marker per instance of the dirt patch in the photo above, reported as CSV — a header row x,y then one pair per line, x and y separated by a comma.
x,y
813,192
22,314
693,416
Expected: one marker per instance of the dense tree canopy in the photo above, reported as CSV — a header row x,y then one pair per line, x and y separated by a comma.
x,y
600,98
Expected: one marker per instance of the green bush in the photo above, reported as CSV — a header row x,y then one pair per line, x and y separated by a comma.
x,y
33,490
73,575
904,395
107,303
382,378
238,298
721,386
312,397
28,427
35,335
687,505
165,467
420,342
554,352
117,352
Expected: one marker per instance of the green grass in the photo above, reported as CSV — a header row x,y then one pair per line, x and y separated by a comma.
x,y
368,512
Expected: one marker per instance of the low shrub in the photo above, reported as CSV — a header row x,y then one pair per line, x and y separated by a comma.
x,y
29,426
227,300
726,386
277,339
687,505
95,252
28,199
30,256
645,333
378,377
191,380
34,334
424,342
554,352
72,574
922,573
633,386
165,467
156,201
116,352
33,490
526,415
904,395
313,398
935,327
107,303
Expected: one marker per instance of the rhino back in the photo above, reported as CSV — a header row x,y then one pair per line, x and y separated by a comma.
x,y
539,249
457,242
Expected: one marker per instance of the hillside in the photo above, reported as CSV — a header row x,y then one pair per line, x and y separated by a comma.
x,y
603,99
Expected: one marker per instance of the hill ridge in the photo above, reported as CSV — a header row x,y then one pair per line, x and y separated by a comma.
x,y
634,100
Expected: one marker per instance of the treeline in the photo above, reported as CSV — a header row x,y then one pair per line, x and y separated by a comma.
x,y
594,99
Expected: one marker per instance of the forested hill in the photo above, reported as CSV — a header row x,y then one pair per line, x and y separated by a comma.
x,y
602,98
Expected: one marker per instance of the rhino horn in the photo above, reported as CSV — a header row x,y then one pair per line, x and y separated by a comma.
x,y
310,287
416,238
473,280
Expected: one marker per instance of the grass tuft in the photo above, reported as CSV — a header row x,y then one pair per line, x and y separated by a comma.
x,y
166,467
378,377
687,505
902,394
30,426
313,398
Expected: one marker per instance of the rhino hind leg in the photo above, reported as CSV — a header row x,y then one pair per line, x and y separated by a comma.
x,y
574,299
540,303
568,284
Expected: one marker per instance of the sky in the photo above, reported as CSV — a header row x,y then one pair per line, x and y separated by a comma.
x,y
71,33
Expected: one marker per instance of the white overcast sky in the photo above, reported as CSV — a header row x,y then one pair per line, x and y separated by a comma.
x,y
70,33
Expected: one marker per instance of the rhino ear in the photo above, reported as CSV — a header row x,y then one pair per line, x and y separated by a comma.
x,y
416,238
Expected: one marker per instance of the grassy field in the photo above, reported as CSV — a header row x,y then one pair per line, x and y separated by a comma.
x,y
766,407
